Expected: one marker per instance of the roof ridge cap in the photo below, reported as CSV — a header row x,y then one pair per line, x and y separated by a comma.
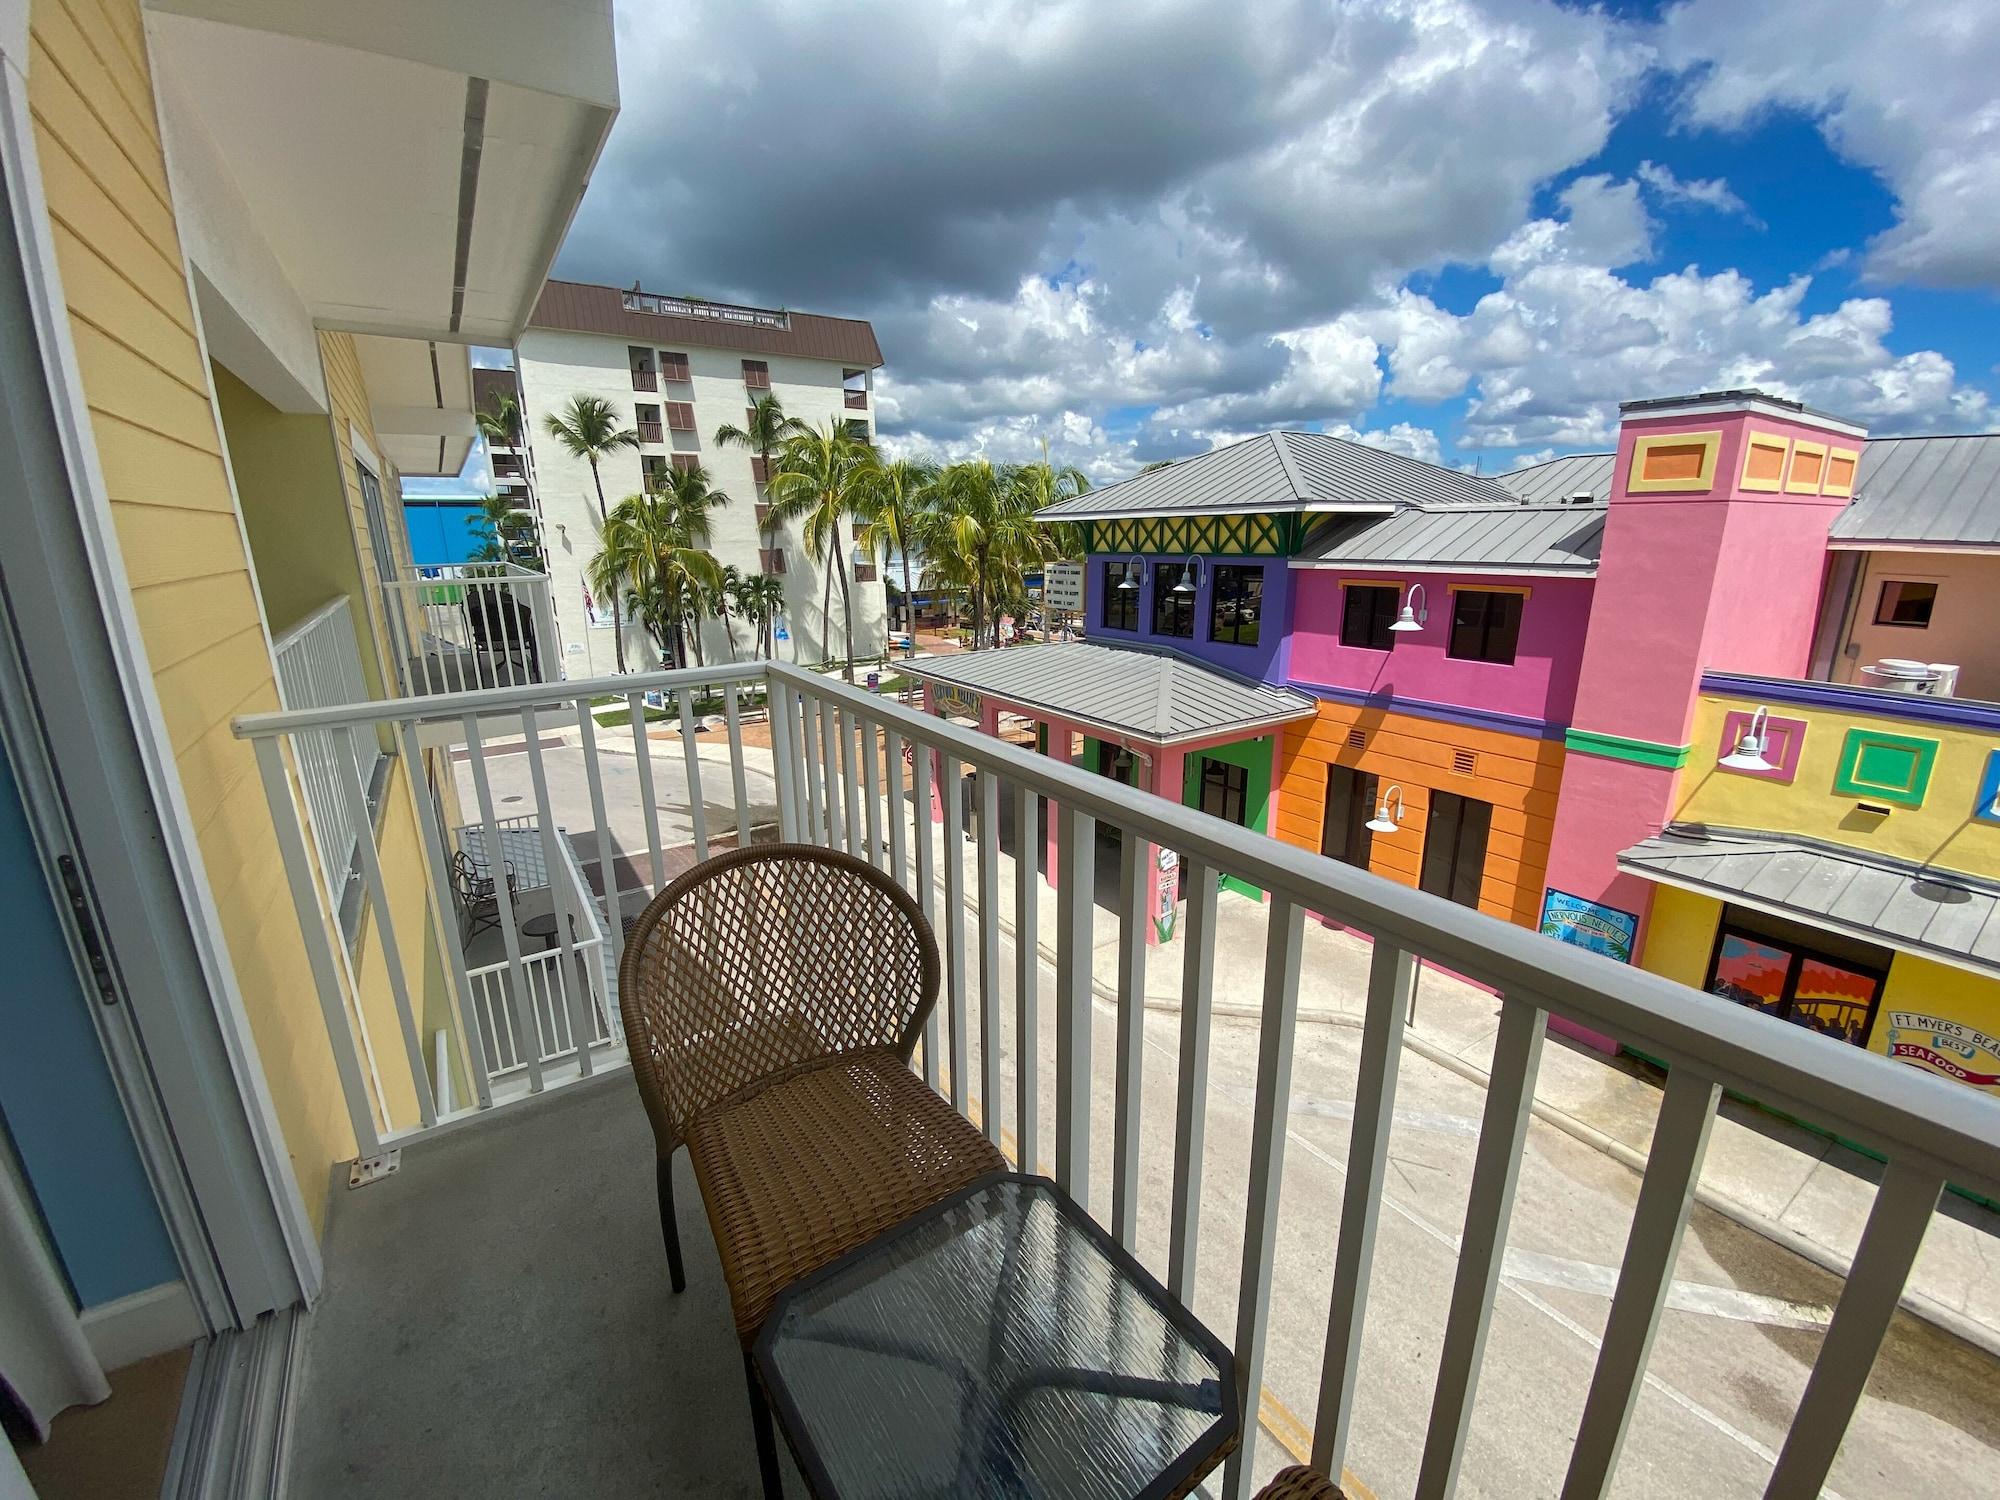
x,y
1279,437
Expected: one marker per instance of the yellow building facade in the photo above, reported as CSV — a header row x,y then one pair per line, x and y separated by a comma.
x,y
1851,882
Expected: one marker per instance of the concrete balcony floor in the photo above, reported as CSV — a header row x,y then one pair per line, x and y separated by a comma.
x,y
497,1321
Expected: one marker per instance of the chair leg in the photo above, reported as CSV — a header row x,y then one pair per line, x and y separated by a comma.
x,y
668,1227
767,1443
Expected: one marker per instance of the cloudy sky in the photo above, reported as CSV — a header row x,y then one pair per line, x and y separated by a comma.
x,y
1465,229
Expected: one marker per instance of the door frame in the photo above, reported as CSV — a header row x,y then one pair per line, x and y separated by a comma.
x,y
83,728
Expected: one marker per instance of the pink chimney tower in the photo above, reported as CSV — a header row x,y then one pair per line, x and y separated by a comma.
x,y
1713,558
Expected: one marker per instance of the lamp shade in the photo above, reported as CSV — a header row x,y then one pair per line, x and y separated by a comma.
x,y
1751,745
1381,822
1407,620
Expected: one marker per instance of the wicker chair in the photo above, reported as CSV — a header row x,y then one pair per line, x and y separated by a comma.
x,y
772,997
1300,1483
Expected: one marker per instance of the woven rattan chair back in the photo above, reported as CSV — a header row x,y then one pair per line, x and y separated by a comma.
x,y
761,961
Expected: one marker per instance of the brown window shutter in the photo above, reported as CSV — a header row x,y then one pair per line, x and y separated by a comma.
x,y
680,416
864,572
675,367
771,559
687,462
760,471
757,374
763,513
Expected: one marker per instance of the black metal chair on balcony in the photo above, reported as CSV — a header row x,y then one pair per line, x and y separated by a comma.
x,y
503,633
474,893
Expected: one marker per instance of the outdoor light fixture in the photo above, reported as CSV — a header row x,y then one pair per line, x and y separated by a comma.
x,y
1190,569
1751,745
1413,615
1134,574
1382,822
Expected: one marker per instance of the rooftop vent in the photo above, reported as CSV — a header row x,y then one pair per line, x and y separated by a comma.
x,y
1581,497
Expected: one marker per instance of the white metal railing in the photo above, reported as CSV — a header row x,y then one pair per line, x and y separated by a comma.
x,y
835,775
319,665
476,625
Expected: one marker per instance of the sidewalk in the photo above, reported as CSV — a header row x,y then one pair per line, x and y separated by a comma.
x,y
1794,1187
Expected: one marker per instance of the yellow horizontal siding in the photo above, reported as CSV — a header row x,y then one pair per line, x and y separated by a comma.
x,y
153,421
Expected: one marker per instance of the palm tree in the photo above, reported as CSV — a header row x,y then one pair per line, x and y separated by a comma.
x,y
895,496
656,545
981,533
500,423
497,525
760,599
588,429
765,430
819,482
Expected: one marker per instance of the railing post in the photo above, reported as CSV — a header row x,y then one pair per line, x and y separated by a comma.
x,y
319,948
989,953
1076,857
953,918
430,828
1027,980
783,719
1191,1087
1276,1031
1496,1170
553,838
1129,1086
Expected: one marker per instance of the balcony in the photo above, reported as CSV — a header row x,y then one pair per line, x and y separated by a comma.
x,y
643,380
1429,1280
464,626
651,432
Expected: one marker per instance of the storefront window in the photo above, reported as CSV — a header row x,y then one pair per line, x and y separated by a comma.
x,y
1783,974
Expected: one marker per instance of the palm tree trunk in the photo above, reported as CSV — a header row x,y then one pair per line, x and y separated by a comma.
x,y
826,598
909,599
728,635
846,616
617,614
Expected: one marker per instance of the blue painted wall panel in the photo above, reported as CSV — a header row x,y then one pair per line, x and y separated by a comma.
x,y
57,1099
441,531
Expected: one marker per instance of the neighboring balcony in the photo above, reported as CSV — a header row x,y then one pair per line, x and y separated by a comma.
x,y
463,626
644,380
1364,1184
651,432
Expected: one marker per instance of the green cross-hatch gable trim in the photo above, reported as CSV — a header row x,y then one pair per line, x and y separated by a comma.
x,y
1211,536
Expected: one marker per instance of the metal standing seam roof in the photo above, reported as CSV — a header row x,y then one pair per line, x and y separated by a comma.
x,y
1556,481
1497,538
1941,491
1941,914
1281,471
1141,691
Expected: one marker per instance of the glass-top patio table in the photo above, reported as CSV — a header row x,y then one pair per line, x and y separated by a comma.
x,y
999,1343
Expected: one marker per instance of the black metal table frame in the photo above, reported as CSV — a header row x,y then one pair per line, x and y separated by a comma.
x,y
1198,1459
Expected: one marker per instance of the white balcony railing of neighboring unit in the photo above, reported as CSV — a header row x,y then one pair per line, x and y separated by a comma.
x,y
832,785
319,666
477,625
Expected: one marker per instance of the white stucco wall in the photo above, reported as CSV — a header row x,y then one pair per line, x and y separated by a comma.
x,y
555,366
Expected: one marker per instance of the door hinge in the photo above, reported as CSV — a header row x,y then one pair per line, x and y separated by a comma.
x,y
86,930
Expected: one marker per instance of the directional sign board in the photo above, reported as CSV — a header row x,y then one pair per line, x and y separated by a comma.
x,y
1062,586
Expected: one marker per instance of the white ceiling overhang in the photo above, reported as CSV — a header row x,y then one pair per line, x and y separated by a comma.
x,y
413,168
420,399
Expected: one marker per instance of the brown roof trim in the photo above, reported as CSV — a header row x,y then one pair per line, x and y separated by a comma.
x,y
581,307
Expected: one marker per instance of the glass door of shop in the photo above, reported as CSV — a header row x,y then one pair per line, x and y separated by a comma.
x,y
1769,967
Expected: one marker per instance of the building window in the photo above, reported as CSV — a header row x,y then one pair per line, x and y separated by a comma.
x,y
1485,626
1455,847
1350,803
687,463
771,559
1121,605
1173,614
1224,790
854,389
641,361
1813,979
675,367
864,572
649,424
1237,605
757,374
1366,614
1906,604
857,429
655,467
680,416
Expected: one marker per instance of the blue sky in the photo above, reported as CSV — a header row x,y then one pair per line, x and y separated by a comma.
x,y
1465,229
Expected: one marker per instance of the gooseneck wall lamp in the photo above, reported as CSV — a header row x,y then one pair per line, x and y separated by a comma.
x,y
1382,822
1135,569
1751,745
1190,570
1415,610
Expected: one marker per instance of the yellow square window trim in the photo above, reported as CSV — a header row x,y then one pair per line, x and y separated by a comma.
x,y
1670,462
1808,468
1764,458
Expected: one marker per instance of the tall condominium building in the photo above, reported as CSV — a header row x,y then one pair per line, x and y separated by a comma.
x,y
675,370
512,466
